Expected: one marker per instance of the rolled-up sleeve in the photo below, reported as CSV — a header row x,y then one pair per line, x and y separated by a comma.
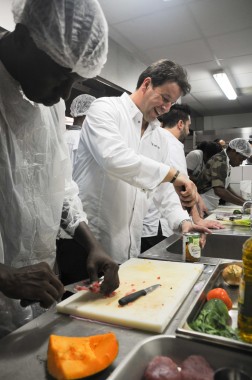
x,y
115,154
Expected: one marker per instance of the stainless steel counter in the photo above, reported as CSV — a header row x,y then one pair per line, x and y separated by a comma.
x,y
23,353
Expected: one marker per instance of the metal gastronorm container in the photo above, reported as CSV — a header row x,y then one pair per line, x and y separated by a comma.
x,y
215,281
178,349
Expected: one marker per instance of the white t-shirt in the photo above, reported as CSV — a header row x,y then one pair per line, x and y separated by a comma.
x,y
194,161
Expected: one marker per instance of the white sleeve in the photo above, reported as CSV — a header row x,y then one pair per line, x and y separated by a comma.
x,y
110,150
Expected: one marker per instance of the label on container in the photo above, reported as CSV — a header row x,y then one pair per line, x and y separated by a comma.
x,y
191,247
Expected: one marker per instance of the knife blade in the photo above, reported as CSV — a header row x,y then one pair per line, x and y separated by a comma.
x,y
134,296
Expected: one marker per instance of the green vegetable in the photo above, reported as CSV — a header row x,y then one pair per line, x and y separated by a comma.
x,y
242,222
213,319
235,212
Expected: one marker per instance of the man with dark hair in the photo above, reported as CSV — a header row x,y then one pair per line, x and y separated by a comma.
x,y
176,123
165,71
221,143
55,43
213,182
122,160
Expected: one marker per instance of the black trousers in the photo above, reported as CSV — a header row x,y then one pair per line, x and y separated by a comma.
x,y
149,241
71,260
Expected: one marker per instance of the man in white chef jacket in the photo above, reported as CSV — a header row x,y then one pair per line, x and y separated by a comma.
x,y
55,43
176,123
120,162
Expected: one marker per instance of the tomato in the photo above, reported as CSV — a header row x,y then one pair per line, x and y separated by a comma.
x,y
221,294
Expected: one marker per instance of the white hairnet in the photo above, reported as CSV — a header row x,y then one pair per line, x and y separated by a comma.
x,y
241,146
74,33
81,104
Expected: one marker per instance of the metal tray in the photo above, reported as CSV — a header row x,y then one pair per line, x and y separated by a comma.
x,y
178,349
215,281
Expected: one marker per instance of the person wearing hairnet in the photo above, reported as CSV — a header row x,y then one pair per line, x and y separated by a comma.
x,y
78,110
213,182
55,42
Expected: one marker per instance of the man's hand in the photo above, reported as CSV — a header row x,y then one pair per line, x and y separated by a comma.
x,y
35,283
186,190
99,262
212,224
191,227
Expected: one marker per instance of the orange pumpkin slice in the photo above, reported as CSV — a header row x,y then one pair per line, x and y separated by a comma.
x,y
70,358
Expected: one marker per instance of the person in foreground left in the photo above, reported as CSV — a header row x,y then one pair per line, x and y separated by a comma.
x,y
54,44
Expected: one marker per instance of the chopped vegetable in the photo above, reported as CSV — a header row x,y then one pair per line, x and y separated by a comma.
x,y
213,319
242,222
236,212
221,294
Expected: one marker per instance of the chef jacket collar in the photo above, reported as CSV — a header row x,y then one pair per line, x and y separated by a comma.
x,y
134,110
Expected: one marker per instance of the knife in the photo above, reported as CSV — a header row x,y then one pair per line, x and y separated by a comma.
x,y
134,296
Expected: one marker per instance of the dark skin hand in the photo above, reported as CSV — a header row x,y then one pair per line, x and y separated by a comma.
x,y
34,282
98,261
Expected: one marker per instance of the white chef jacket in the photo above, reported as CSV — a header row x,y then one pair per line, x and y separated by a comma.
x,y
36,185
176,158
117,171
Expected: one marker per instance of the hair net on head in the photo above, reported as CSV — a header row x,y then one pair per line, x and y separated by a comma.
x,y
81,104
74,33
241,146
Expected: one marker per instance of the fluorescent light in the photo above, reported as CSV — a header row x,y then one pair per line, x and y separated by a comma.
x,y
225,85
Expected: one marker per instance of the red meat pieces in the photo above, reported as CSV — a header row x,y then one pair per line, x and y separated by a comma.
x,y
196,367
162,368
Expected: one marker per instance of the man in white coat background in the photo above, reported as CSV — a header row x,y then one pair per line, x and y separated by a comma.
x,y
78,110
176,123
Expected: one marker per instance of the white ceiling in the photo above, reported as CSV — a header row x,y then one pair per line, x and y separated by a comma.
x,y
204,36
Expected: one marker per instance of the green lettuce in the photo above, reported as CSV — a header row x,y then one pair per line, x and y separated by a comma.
x,y
213,319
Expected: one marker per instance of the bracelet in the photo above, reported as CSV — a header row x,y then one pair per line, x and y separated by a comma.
x,y
185,220
175,176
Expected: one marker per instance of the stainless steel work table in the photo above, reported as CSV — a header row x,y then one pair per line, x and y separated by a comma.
x,y
23,353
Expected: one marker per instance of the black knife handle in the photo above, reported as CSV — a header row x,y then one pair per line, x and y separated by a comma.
x,y
131,297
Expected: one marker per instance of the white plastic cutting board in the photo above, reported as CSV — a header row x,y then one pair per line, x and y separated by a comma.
x,y
152,312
